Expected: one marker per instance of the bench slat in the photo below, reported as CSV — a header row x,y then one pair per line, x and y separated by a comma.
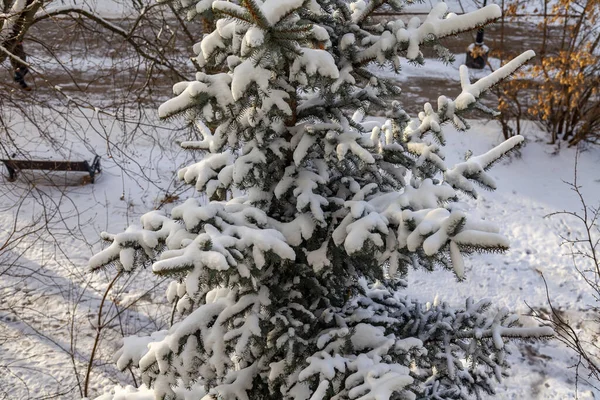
x,y
78,166
81,166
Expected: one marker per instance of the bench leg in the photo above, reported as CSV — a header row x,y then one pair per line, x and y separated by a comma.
x,y
95,168
12,174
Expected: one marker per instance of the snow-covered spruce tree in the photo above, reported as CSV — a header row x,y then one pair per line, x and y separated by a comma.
x,y
290,286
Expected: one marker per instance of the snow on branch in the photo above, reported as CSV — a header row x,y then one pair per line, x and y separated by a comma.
x,y
276,10
411,36
212,172
197,93
472,91
230,9
361,10
461,175
431,120
498,332
269,13
440,27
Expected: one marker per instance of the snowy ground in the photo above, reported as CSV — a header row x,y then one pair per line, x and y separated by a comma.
x,y
49,300
45,289
529,188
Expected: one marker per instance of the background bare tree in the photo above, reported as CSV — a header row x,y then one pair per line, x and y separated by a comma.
x,y
94,75
579,329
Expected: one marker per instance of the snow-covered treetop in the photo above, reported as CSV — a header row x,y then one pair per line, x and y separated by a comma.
x,y
282,121
289,272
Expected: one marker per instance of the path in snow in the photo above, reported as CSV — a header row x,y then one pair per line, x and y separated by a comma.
x,y
103,68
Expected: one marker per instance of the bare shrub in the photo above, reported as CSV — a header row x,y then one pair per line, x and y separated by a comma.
x,y
580,333
562,90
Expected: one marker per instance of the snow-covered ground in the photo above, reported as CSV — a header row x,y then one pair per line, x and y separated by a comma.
x,y
48,299
45,285
530,187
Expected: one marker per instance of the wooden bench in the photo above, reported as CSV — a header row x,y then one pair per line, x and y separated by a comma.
x,y
13,166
